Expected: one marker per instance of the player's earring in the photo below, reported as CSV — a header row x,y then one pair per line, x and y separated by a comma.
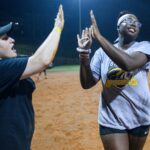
x,y
124,24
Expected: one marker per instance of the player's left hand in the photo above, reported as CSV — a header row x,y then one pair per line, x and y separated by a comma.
x,y
95,31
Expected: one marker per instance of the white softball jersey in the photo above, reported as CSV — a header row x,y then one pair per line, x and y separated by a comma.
x,y
125,100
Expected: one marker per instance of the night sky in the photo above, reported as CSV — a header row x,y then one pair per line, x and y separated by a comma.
x,y
36,19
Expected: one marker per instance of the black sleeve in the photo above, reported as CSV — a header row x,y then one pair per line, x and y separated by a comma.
x,y
10,72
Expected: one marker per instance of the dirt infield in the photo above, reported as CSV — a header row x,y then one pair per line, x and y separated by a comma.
x,y
66,115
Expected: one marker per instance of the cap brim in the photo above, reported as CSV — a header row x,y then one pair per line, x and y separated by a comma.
x,y
6,29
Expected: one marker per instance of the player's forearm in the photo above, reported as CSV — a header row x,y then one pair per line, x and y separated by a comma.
x,y
46,52
86,78
121,58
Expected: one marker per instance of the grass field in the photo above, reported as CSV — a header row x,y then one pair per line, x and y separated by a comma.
x,y
65,68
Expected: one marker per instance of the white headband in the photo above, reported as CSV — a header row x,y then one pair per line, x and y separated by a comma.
x,y
122,18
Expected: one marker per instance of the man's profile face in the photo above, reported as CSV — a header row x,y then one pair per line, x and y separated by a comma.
x,y
7,47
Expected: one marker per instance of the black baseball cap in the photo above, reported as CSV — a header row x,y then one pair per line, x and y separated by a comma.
x,y
7,28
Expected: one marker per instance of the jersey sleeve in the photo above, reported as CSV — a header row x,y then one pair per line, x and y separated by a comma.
x,y
144,47
96,64
10,72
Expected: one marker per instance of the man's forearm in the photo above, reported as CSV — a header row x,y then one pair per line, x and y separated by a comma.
x,y
46,52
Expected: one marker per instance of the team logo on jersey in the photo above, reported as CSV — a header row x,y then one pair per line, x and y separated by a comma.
x,y
119,78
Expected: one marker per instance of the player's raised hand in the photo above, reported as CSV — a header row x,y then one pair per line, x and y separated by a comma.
x,y
85,41
59,21
94,28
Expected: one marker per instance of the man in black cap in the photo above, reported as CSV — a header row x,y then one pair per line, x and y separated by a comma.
x,y
16,110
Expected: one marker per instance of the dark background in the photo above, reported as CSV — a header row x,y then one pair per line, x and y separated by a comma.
x,y
36,19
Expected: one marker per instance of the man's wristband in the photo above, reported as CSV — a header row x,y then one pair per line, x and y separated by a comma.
x,y
57,29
